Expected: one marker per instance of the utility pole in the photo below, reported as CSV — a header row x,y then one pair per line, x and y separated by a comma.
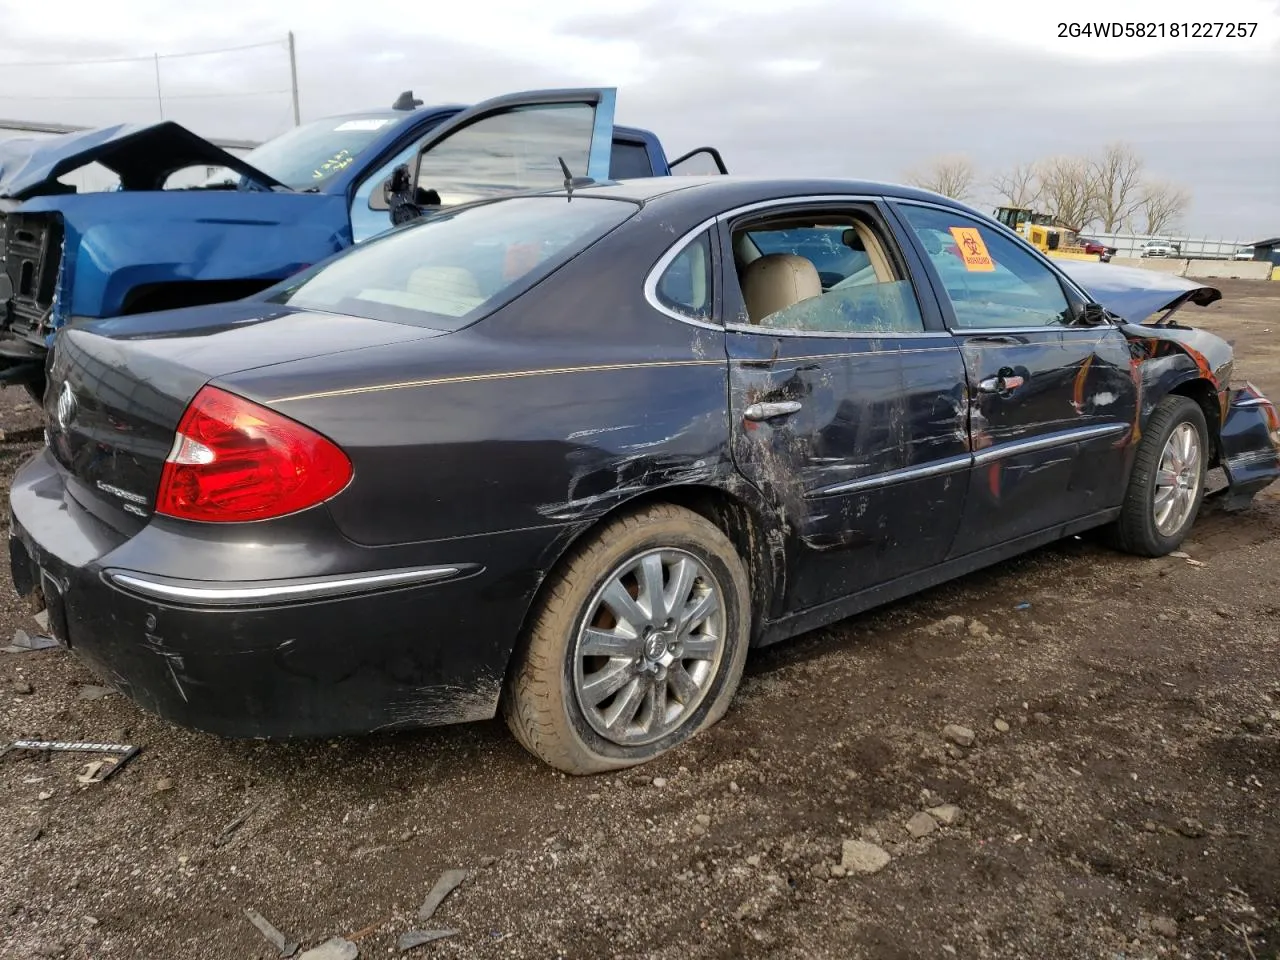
x,y
293,72
159,98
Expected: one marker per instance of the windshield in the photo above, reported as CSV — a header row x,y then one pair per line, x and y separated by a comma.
x,y
446,270
310,154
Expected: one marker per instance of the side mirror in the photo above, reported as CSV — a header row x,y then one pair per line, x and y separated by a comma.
x,y
1092,314
397,191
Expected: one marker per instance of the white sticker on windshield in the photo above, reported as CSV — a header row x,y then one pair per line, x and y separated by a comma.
x,y
376,124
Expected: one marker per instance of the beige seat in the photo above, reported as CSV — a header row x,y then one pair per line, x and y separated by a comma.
x,y
777,281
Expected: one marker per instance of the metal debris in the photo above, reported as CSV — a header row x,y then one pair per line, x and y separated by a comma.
x,y
448,882
416,938
24,642
335,948
233,826
277,939
110,766
91,770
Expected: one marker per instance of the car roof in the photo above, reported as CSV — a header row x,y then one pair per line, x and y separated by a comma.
x,y
734,190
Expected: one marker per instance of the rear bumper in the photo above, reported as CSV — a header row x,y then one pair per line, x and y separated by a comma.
x,y
1250,445
319,656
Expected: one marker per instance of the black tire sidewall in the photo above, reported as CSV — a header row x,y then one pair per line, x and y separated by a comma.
x,y
732,589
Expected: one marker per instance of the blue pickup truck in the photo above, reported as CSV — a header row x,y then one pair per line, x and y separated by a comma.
x,y
289,203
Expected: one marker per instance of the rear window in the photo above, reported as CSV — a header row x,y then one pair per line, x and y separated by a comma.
x,y
449,269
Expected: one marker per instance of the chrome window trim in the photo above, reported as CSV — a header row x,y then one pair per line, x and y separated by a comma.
x,y
1046,441
207,592
849,355
777,332
1050,327
900,475
656,271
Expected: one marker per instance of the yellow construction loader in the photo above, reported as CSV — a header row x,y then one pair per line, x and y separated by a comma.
x,y
1046,234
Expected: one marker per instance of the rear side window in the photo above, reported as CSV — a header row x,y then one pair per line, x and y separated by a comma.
x,y
629,161
685,286
822,272
990,280
448,269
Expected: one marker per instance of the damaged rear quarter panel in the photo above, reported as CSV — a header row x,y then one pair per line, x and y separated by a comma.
x,y
557,408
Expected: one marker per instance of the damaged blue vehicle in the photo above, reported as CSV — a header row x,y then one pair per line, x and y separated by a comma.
x,y
67,257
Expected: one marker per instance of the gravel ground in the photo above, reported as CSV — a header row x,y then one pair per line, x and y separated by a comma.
x,y
1120,796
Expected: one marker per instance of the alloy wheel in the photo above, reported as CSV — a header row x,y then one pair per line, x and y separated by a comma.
x,y
1178,479
649,647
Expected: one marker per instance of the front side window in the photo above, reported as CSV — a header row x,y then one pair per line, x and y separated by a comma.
x,y
446,270
518,149
990,280
822,273
685,285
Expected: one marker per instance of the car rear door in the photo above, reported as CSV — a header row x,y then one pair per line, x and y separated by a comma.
x,y
516,142
1052,403
846,405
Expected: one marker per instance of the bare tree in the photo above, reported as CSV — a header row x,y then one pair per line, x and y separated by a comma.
x,y
1067,191
1117,185
950,176
1162,205
1019,187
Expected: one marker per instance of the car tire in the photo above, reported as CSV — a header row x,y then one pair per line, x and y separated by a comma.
x,y
579,644
1150,525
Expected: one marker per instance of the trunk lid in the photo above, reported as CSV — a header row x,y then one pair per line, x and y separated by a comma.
x,y
117,389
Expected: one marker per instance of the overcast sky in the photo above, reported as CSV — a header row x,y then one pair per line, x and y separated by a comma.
x,y
806,87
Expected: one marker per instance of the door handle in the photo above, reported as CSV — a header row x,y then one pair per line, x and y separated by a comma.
x,y
1003,384
767,411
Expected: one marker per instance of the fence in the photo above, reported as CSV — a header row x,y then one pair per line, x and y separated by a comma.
x,y
1195,248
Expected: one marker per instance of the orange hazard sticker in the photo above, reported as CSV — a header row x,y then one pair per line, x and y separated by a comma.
x,y
972,250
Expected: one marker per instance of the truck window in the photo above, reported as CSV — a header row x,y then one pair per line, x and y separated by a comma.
x,y
629,160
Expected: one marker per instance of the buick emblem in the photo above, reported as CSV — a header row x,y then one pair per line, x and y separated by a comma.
x,y
66,408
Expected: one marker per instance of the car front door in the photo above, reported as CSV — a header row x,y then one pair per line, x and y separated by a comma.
x,y
846,395
508,144
1052,402
522,141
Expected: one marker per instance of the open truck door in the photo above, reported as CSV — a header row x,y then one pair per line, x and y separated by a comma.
x,y
699,162
510,144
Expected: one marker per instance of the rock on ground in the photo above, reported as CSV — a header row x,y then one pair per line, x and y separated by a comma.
x,y
946,814
961,736
862,857
921,825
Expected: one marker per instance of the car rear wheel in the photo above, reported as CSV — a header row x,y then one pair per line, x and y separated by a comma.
x,y
638,644
1166,486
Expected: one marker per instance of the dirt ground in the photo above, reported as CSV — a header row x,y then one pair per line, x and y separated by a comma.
x,y
1122,798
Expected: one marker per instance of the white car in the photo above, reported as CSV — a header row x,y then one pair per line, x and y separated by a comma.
x,y
1244,253
1159,248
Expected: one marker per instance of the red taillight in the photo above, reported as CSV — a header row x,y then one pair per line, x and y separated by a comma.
x,y
233,460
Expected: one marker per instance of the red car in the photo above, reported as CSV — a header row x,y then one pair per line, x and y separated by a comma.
x,y
1104,252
